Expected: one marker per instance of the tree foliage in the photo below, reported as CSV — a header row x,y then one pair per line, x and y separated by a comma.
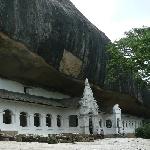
x,y
130,56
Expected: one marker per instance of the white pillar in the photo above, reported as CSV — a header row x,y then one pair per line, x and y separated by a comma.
x,y
43,121
54,123
117,119
1,119
16,120
31,121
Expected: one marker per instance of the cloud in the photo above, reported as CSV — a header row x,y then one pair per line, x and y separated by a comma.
x,y
114,17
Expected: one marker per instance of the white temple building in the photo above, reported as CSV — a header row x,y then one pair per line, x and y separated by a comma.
x,y
34,110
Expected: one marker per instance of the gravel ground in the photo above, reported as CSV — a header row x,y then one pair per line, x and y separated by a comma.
x,y
105,144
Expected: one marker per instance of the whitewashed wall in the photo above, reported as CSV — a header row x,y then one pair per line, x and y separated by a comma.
x,y
47,94
17,107
105,117
132,123
11,86
18,87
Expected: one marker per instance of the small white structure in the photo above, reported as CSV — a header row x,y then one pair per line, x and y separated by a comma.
x,y
34,110
88,111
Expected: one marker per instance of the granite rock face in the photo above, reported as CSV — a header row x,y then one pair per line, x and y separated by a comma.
x,y
18,63
50,28
57,34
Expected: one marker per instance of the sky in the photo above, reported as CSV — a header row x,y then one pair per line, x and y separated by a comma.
x,y
114,17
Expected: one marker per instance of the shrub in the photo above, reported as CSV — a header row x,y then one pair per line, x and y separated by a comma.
x,y
143,132
52,140
147,131
139,132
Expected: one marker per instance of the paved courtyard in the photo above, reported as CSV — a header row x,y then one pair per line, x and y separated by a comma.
x,y
105,144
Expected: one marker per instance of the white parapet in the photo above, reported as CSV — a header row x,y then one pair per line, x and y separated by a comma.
x,y
14,86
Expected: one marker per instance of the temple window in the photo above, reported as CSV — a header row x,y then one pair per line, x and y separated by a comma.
x,y
129,124
126,124
59,121
23,119
123,123
48,120
73,121
37,122
100,123
108,123
7,116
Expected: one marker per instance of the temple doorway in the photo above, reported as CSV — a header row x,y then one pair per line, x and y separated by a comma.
x,y
90,124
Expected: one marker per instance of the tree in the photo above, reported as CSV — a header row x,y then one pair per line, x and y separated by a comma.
x,y
130,56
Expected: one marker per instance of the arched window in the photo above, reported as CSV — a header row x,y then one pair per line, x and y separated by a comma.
x,y
59,119
23,119
73,121
123,123
7,116
48,120
129,124
126,124
100,123
37,122
108,123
